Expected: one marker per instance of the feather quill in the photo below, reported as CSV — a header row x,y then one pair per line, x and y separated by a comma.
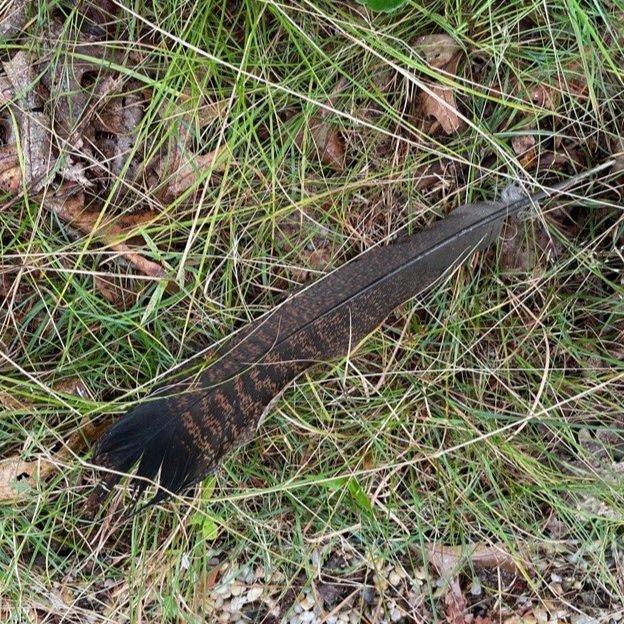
x,y
180,435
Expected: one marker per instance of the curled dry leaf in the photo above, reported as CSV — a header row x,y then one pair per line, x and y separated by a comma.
x,y
440,52
523,146
17,475
328,143
450,560
33,126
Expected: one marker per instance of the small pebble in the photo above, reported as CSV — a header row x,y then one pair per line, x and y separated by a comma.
x,y
307,616
555,578
420,574
307,603
475,587
369,595
298,608
254,593
343,616
332,619
394,578
294,620
395,615
237,588
540,614
223,591
354,617
259,573
237,604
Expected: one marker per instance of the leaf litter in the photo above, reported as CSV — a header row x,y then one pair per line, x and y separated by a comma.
x,y
87,150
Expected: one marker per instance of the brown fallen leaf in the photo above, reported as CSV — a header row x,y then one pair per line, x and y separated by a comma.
x,y
10,170
523,146
70,207
455,603
18,476
328,143
450,560
184,178
440,52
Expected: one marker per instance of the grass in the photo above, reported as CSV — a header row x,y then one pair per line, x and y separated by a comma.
x,y
475,415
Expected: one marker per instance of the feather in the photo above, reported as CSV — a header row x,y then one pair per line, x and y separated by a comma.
x,y
181,434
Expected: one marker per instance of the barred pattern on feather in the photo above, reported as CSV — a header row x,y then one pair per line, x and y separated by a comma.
x,y
181,434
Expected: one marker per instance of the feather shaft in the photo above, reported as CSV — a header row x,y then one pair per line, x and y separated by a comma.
x,y
181,434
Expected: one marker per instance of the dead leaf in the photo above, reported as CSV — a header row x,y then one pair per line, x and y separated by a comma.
x,y
440,52
328,143
450,560
456,603
10,170
71,209
115,291
185,177
17,476
523,145
13,17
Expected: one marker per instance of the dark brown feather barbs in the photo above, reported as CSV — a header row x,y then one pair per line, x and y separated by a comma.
x,y
179,435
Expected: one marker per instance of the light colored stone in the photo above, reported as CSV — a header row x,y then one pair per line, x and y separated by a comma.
x,y
237,588
475,586
237,603
223,590
395,615
394,578
254,593
581,618
307,603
